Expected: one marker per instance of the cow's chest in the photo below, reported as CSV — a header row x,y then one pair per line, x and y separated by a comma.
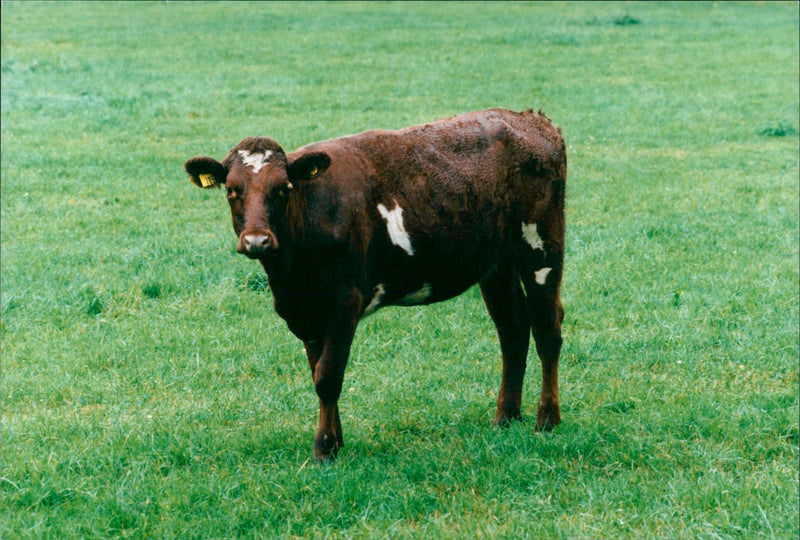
x,y
306,312
305,297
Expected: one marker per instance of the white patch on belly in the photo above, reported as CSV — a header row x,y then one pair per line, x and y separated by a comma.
x,y
541,275
380,290
256,160
394,225
531,236
416,297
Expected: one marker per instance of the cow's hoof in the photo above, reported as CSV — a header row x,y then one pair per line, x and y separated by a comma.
x,y
508,412
504,420
548,417
325,450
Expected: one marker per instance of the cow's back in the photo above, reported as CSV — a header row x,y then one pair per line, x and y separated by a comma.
x,y
476,148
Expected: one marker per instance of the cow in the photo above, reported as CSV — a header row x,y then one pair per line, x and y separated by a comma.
x,y
347,226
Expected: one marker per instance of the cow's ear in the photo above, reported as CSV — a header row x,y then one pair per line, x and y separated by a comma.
x,y
206,172
308,166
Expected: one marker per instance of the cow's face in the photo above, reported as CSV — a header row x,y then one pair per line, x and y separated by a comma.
x,y
258,182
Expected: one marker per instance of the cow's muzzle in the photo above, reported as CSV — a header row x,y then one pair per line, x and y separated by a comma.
x,y
256,244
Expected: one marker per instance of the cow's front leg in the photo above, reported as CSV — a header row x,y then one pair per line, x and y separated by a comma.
x,y
314,352
328,372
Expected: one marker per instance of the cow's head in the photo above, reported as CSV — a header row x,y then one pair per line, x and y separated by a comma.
x,y
259,181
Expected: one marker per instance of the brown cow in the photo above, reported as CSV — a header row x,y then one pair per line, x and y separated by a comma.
x,y
347,226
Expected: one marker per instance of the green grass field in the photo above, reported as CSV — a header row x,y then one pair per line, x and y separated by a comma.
x,y
149,391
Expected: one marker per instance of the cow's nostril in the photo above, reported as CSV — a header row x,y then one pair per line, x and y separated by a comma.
x,y
254,244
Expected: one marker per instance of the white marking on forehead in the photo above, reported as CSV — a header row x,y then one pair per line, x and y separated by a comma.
x,y
255,160
379,291
416,297
541,275
394,225
531,236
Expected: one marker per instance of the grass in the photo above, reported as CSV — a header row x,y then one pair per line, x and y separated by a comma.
x,y
150,391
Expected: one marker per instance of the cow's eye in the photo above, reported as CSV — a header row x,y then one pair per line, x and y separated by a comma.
x,y
231,193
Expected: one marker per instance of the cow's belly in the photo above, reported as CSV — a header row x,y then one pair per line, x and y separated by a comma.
x,y
429,291
434,274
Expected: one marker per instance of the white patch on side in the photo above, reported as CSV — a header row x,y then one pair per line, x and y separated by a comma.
x,y
394,225
541,275
416,297
380,290
531,236
256,160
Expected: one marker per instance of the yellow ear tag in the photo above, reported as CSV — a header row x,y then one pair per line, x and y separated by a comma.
x,y
207,180
313,172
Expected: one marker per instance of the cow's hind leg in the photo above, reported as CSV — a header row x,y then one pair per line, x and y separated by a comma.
x,y
540,262
505,301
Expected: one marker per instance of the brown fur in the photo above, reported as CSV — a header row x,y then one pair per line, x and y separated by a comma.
x,y
466,186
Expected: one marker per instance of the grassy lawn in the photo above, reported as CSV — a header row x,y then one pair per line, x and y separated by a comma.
x,y
149,391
